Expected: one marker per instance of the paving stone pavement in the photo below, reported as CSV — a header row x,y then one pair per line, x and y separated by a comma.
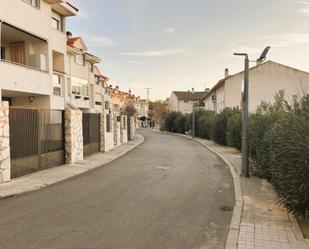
x,y
264,223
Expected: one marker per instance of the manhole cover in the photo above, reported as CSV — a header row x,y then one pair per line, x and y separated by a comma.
x,y
163,167
226,208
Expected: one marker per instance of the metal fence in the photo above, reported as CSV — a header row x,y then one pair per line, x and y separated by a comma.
x,y
108,123
129,127
91,133
36,139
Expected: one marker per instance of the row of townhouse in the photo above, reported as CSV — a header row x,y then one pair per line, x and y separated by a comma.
x,y
266,80
56,105
121,101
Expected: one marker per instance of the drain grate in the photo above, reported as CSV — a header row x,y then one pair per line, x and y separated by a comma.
x,y
226,208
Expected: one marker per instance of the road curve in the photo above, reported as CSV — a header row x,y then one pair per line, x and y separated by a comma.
x,y
168,193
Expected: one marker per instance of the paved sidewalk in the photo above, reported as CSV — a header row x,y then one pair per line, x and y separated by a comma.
x,y
264,224
41,179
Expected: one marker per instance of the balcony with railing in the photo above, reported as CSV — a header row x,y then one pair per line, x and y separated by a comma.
x,y
22,48
23,61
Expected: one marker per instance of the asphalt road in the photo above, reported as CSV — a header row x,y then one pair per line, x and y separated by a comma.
x,y
168,193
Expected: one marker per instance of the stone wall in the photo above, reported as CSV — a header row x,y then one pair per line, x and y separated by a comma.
x,y
116,131
132,127
123,130
107,138
5,160
73,136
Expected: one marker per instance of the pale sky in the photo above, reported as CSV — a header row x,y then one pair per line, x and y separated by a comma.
x,y
179,44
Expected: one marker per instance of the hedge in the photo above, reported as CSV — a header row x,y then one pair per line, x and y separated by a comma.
x,y
234,130
219,126
288,142
205,123
278,143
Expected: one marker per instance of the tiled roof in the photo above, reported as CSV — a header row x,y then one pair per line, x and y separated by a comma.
x,y
189,96
71,42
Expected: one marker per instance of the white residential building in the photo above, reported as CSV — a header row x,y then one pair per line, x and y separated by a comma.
x,y
82,91
142,107
33,52
266,80
183,101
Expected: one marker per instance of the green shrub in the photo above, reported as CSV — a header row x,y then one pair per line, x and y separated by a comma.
x,y
205,124
169,121
198,114
260,124
219,126
288,143
234,129
180,123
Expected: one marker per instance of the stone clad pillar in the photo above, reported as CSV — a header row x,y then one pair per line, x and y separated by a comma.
x,y
116,131
132,127
102,131
123,130
5,158
107,137
74,148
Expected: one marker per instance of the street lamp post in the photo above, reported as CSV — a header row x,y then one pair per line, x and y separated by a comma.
x,y
245,111
193,116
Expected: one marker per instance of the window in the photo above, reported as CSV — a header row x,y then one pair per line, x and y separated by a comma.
x,y
80,90
85,91
97,80
34,3
80,86
57,91
76,89
106,105
56,24
57,85
2,53
98,103
79,59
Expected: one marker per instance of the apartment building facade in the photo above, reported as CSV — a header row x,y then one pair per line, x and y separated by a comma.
x,y
33,52
266,80
83,90
56,107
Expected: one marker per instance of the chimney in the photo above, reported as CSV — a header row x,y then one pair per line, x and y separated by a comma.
x,y
69,35
226,73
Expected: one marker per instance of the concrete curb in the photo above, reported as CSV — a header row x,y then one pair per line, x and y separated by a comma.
x,y
232,238
44,178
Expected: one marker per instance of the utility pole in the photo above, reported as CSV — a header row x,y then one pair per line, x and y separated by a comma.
x,y
193,116
245,120
148,90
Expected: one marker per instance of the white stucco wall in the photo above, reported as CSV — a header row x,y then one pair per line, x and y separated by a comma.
x,y
185,107
36,21
265,81
173,103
